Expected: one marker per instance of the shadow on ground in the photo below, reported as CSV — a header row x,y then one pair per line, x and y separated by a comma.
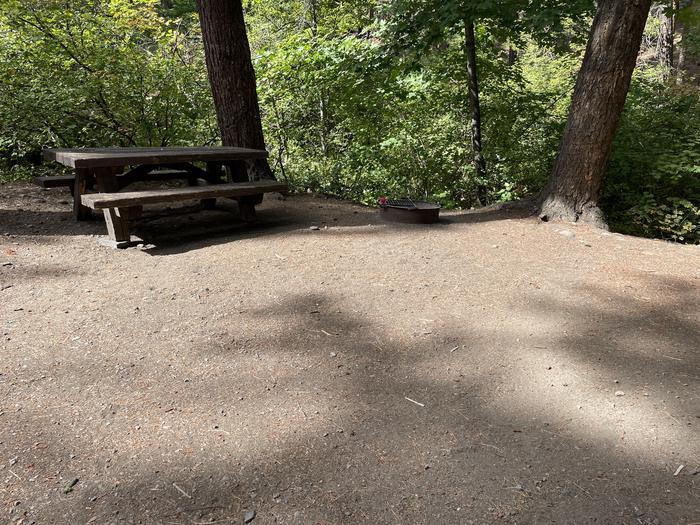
x,y
37,213
333,415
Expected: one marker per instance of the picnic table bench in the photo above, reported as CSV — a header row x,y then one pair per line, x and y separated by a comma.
x,y
100,175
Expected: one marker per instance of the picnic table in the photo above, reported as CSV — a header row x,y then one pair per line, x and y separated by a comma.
x,y
101,174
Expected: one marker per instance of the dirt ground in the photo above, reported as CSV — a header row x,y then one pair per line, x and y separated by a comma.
x,y
487,369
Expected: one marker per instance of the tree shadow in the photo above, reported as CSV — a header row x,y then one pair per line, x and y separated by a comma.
x,y
312,408
522,209
32,212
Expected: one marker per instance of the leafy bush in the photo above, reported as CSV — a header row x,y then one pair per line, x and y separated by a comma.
x,y
345,113
95,73
653,185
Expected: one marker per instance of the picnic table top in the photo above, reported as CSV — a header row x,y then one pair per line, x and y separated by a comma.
x,y
119,157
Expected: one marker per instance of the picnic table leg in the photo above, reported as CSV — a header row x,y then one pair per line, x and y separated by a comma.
x,y
213,168
246,206
117,219
240,172
80,212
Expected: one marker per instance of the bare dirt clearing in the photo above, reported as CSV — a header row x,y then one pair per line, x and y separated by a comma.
x,y
487,369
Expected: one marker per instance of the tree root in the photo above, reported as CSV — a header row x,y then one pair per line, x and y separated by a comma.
x,y
555,209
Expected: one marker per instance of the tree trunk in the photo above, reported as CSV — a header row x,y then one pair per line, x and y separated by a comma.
x,y
599,97
232,79
322,113
470,53
512,56
680,29
664,47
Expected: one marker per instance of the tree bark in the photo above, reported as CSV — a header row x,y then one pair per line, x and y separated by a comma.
x,y
680,29
599,96
232,79
322,112
512,56
665,48
472,75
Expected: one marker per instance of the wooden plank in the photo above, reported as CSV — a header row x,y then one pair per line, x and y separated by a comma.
x,y
101,201
81,212
117,219
153,176
119,157
55,181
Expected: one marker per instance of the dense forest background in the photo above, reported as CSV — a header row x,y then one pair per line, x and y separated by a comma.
x,y
362,98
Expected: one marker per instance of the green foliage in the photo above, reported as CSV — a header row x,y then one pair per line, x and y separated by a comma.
x,y
359,99
96,73
349,116
653,186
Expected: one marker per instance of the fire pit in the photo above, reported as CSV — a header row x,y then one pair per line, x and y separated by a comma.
x,y
409,211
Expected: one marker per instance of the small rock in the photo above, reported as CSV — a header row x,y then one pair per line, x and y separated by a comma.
x,y
616,381
249,516
567,233
619,393
333,354
314,228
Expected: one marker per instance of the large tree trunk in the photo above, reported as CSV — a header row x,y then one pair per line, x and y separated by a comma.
x,y
232,78
599,97
470,52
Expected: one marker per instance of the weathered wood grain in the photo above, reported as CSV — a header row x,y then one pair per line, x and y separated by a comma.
x,y
111,157
101,201
56,181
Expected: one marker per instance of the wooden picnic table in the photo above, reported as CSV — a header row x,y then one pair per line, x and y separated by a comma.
x,y
108,170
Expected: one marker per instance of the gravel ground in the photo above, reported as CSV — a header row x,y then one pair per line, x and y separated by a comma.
x,y
487,369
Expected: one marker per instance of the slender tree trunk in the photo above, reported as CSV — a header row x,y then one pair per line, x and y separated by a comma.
x,y
680,29
322,113
512,56
599,97
470,53
665,48
232,78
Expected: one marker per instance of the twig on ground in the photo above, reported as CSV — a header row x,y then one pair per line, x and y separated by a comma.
x,y
491,446
414,401
181,491
465,417
582,489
